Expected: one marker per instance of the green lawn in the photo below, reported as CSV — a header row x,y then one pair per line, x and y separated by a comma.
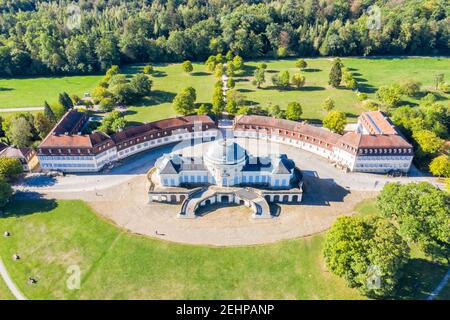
x,y
169,79
370,74
32,92
50,236
5,294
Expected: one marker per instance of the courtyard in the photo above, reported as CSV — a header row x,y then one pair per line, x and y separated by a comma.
x,y
120,195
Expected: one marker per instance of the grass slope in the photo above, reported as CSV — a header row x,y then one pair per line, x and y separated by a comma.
x,y
169,79
5,294
50,236
370,74
32,92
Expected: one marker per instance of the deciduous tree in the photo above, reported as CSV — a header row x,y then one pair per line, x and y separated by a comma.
x,y
294,111
335,121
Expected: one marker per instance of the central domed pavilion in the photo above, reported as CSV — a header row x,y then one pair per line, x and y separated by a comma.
x,y
225,164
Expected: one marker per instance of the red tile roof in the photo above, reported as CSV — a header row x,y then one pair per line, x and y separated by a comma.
x,y
376,122
294,126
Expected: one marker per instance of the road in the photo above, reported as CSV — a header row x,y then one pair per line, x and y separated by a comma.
x,y
10,283
310,164
22,109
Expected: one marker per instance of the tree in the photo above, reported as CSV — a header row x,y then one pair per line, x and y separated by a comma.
x,y
99,93
230,69
294,111
368,253
43,125
410,88
184,102
203,110
231,107
229,56
112,71
301,64
141,84
428,100
440,166
113,123
148,69
10,168
298,80
422,214
218,103
389,95
49,114
230,83
20,132
243,110
107,105
238,63
218,71
328,104
281,79
187,66
438,79
211,63
275,111
5,192
65,101
428,141
259,77
335,121
335,76
123,93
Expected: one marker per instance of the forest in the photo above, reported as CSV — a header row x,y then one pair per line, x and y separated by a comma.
x,y
39,37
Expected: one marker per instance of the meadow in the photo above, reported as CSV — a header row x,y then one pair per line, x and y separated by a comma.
x,y
51,235
169,79
32,92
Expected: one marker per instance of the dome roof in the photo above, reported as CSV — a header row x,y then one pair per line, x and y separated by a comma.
x,y
225,152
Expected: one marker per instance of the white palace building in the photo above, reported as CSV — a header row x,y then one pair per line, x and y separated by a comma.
x,y
376,145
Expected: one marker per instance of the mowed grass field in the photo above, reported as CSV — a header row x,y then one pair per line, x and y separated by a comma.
x,y
32,92
50,236
370,74
5,294
169,79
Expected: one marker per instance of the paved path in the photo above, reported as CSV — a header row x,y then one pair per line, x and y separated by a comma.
x,y
22,109
440,286
9,282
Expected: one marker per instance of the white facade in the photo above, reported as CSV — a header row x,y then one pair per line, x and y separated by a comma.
x,y
226,164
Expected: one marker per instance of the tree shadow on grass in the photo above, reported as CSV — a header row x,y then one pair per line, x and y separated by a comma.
x,y
245,90
311,70
246,71
155,98
200,74
26,203
312,88
6,89
365,87
420,278
158,74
